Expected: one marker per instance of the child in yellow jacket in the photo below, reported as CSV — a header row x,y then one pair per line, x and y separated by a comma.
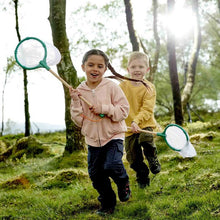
x,y
141,116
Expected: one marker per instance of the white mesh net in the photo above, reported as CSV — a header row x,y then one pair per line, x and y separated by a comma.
x,y
188,150
53,55
30,52
176,137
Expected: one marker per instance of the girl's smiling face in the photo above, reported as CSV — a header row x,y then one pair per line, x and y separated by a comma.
x,y
137,68
94,67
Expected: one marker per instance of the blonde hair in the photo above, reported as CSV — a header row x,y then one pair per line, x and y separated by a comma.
x,y
138,55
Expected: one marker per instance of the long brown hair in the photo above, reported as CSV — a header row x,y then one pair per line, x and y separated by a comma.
x,y
107,63
120,77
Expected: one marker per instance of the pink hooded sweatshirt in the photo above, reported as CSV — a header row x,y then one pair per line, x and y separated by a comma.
x,y
99,131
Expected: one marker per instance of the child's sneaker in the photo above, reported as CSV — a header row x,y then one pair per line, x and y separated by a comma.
x,y
105,211
124,193
144,184
154,164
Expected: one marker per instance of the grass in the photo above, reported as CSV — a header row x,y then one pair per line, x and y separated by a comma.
x,y
58,187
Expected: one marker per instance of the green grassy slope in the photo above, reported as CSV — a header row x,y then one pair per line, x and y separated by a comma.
x,y
54,187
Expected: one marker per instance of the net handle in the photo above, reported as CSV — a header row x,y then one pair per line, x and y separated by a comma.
x,y
149,132
69,87
163,135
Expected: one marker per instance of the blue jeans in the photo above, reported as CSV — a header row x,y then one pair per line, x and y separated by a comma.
x,y
105,162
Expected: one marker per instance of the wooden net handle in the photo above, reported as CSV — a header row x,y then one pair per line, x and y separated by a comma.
x,y
69,87
144,131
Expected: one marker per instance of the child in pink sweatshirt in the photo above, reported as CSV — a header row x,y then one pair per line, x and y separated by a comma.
x,y
104,136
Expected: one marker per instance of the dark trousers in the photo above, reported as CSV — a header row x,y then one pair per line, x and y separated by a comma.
x,y
105,162
137,146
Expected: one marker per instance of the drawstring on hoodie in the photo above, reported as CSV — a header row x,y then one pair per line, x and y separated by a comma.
x,y
92,120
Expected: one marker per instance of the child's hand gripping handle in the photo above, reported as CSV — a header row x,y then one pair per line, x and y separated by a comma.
x,y
89,104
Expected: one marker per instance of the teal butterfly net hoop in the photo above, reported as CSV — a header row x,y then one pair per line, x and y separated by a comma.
x,y
178,139
175,136
32,53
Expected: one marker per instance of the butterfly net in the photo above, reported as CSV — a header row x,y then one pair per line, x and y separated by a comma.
x,y
176,138
31,51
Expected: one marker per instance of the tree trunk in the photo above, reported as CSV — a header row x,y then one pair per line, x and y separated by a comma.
x,y
191,69
157,39
130,24
66,70
26,101
173,70
3,105
26,106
